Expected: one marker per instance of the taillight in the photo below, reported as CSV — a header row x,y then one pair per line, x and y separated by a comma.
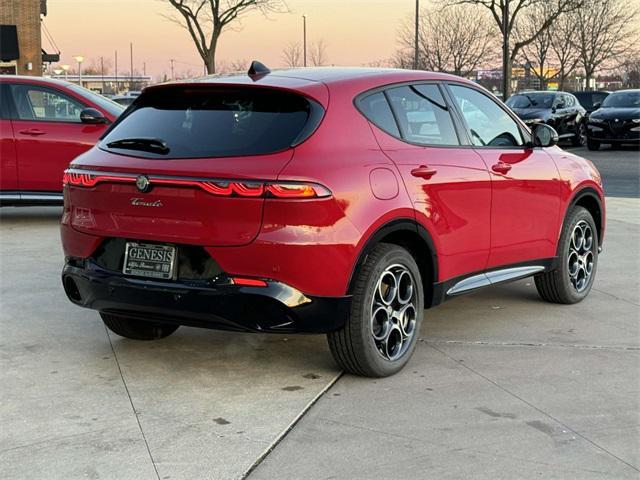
x,y
248,282
220,188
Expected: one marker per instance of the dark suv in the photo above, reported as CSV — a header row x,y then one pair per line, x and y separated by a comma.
x,y
560,110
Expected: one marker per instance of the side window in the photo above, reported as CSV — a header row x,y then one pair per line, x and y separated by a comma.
x,y
571,101
35,103
423,115
489,125
5,112
376,108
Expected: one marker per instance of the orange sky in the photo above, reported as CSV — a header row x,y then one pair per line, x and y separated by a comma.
x,y
356,32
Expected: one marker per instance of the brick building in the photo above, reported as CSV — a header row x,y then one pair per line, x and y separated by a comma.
x,y
21,37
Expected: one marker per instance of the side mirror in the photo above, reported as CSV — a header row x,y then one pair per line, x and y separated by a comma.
x,y
544,135
597,105
92,116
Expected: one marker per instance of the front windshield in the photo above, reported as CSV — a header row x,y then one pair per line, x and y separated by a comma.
x,y
112,107
623,100
531,100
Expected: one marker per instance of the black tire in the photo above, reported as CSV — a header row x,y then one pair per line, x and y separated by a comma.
x,y
354,347
580,135
557,286
593,144
137,329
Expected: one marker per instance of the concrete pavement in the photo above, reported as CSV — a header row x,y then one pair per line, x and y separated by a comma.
x,y
502,385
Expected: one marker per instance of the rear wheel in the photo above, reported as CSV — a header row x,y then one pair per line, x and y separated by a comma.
x,y
137,329
578,255
388,301
593,144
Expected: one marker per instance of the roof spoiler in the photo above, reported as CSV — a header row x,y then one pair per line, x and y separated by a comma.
x,y
258,70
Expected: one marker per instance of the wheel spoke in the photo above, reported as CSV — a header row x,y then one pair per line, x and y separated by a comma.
x,y
580,260
393,312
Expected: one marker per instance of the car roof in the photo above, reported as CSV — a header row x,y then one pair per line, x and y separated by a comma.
x,y
33,79
327,75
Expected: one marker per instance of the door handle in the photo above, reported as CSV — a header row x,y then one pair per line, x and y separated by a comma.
x,y
501,167
424,172
32,131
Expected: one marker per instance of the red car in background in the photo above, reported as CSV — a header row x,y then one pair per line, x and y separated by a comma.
x,y
338,201
44,124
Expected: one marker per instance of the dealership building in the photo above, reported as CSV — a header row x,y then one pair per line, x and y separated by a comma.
x,y
21,37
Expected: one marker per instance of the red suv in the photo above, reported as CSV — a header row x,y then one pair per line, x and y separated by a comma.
x,y
337,201
44,124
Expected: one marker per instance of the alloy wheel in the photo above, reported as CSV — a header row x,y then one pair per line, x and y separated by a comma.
x,y
581,256
394,312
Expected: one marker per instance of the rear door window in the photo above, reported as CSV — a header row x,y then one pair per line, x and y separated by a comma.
x,y
423,115
377,110
193,122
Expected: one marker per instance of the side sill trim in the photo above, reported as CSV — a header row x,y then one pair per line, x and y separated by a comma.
x,y
492,278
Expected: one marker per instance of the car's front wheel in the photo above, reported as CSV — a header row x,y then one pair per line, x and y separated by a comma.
x,y
386,313
137,329
578,256
593,144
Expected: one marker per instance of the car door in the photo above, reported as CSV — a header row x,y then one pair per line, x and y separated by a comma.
x,y
525,207
8,167
449,184
48,134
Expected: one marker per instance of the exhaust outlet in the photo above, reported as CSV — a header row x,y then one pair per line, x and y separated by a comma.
x,y
71,289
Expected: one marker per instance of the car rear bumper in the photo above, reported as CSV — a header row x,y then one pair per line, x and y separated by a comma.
x,y
276,308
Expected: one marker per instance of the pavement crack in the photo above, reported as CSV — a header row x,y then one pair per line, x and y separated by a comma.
x,y
290,427
539,410
616,297
126,388
528,344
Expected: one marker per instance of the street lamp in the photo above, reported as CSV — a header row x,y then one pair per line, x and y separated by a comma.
x,y
79,59
304,39
66,71
57,71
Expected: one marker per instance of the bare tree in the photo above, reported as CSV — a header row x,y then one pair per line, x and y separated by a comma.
x,y
564,49
292,55
318,53
507,14
537,55
631,71
205,20
455,40
604,30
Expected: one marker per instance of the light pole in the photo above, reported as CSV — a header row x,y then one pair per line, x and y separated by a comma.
x,y
57,71
415,52
66,71
79,59
304,40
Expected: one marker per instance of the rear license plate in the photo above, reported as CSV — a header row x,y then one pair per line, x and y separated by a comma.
x,y
148,260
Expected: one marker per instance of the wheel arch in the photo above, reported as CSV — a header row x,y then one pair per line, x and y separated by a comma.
x,y
409,234
589,199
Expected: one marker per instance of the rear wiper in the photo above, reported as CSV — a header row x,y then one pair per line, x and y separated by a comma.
x,y
154,145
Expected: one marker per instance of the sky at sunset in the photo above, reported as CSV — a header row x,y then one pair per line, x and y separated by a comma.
x,y
355,32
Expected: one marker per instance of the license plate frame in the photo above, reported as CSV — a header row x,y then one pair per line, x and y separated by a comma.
x,y
149,260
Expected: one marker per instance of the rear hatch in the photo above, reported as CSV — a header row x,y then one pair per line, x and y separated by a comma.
x,y
189,163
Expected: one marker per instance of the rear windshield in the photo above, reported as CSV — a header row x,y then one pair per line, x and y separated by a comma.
x,y
212,122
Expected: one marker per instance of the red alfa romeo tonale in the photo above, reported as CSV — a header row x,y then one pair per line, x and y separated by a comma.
x,y
337,201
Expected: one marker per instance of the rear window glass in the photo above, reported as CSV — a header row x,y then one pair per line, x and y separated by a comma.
x,y
376,108
220,122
